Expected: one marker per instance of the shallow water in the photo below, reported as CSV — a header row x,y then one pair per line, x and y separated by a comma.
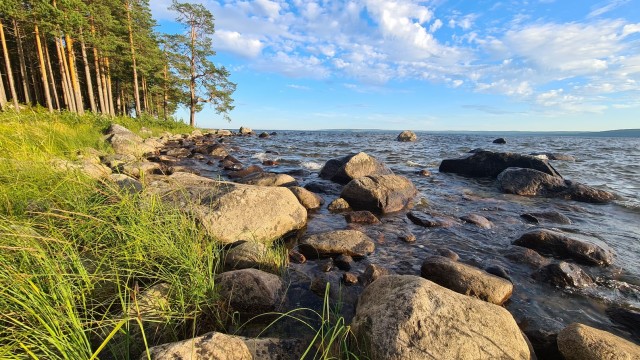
x,y
608,163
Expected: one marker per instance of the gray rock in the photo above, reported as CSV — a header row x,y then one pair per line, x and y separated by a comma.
x,y
126,142
379,193
490,164
407,317
343,262
212,345
308,199
275,349
564,275
555,244
249,254
522,255
407,136
140,169
348,242
582,342
627,317
529,182
466,279
268,179
372,273
428,220
588,194
448,254
250,291
126,183
351,167
179,152
477,220
542,217
500,141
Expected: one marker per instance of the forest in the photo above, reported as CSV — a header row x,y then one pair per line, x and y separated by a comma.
x,y
106,57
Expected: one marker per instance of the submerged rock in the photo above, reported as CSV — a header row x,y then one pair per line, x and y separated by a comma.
x,y
348,242
407,136
379,193
627,317
546,217
582,342
372,273
477,220
466,279
428,220
250,291
490,164
351,167
529,182
564,275
213,345
555,244
407,317
361,217
523,255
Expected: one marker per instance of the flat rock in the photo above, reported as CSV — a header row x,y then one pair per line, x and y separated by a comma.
x,y
490,164
477,220
428,220
582,342
552,243
564,275
308,199
351,167
250,291
242,173
268,179
213,345
348,242
408,317
466,279
379,193
231,212
361,217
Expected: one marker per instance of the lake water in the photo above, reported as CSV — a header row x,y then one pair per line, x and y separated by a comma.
x,y
608,163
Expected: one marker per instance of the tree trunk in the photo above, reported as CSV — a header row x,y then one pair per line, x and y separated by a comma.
x,y
73,70
96,64
87,71
136,93
54,88
43,70
109,96
192,81
66,81
165,95
3,96
23,65
12,86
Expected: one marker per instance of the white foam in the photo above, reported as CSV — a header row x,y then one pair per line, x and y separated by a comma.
x,y
264,156
414,164
310,165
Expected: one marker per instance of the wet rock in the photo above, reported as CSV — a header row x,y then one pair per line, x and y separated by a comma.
x,y
466,279
264,135
379,193
248,254
250,291
542,332
326,265
179,152
232,159
564,275
343,262
477,220
275,349
296,257
339,205
308,199
253,169
372,273
230,211
476,150
448,254
424,173
627,317
323,187
245,131
213,345
498,271
500,141
490,164
588,194
555,244
228,165
349,279
215,150
361,217
268,179
126,183
546,217
126,142
407,317
553,156
407,136
522,255
407,236
351,167
582,342
428,220
348,242
270,163
529,182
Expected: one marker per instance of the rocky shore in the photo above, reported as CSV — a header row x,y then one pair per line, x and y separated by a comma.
x,y
448,309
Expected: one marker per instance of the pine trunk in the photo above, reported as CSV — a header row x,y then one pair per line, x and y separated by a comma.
x,y
12,86
73,70
87,71
136,90
109,96
23,65
54,88
66,82
3,96
192,81
165,95
43,70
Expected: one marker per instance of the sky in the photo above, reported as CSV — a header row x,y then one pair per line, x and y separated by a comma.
x,y
437,65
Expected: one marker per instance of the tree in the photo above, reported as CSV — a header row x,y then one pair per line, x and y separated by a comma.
x,y
207,83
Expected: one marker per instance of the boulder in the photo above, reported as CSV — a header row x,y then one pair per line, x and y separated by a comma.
x,y
407,136
348,242
372,273
588,194
230,211
250,291
268,179
323,187
361,217
522,255
339,205
627,317
263,135
379,193
125,142
564,275
308,199
140,169
179,152
351,167
582,342
224,132
499,141
428,220
213,345
490,164
408,317
529,182
247,255
240,173
444,252
215,150
275,349
550,216
552,243
126,183
466,279
477,220
245,131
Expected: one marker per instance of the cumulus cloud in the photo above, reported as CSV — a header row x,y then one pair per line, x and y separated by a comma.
x,y
234,42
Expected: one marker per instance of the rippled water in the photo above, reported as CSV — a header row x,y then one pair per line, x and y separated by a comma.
x,y
608,163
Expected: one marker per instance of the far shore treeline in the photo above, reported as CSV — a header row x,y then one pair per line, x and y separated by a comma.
x,y
104,56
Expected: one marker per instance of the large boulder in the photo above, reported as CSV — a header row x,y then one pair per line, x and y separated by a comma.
x,y
490,164
245,130
408,317
124,141
553,243
250,291
231,212
582,342
351,167
348,242
379,193
466,279
407,136
529,182
213,345
308,199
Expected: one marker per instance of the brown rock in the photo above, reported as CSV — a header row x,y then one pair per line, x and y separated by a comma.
x,y
361,217
379,193
348,242
582,342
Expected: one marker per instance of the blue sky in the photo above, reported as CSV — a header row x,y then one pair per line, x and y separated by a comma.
x,y
426,65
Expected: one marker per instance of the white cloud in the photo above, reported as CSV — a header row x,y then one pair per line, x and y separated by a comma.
x,y
606,8
236,43
437,24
